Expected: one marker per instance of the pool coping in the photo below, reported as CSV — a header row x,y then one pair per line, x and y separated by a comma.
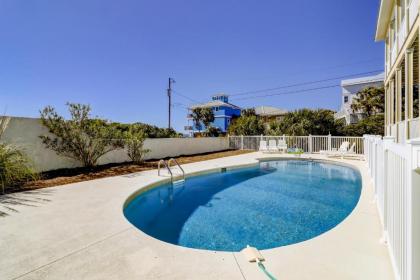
x,y
146,188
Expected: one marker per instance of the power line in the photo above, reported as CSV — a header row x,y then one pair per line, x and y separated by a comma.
x,y
178,104
185,96
287,86
287,92
306,83
296,91
310,70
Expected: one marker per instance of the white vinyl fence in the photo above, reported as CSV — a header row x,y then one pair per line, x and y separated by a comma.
x,y
309,144
395,172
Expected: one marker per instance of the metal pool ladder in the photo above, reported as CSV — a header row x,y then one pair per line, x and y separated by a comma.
x,y
167,164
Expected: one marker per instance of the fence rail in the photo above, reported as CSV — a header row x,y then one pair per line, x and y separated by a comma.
x,y
309,144
392,168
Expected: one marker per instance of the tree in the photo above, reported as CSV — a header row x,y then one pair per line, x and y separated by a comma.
x,y
134,139
304,122
15,166
150,131
370,101
370,125
202,116
246,125
80,138
212,131
248,112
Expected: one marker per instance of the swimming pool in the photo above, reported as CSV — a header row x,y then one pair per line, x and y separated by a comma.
x,y
273,204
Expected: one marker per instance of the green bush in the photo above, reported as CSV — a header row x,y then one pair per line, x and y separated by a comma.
x,y
80,138
15,167
373,124
246,125
134,140
303,122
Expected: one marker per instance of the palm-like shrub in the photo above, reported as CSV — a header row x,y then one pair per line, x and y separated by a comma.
x,y
134,140
15,167
81,138
370,101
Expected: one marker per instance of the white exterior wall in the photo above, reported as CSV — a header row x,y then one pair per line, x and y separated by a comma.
x,y
350,90
25,132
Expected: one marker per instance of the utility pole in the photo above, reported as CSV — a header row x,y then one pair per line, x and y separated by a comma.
x,y
170,81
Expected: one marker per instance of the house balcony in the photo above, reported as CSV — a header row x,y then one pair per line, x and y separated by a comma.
x,y
413,11
188,128
399,131
394,52
402,33
340,114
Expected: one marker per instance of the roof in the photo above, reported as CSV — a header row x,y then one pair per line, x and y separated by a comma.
x,y
364,80
269,111
220,94
385,12
214,103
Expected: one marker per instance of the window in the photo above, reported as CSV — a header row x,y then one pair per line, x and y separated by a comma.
x,y
346,99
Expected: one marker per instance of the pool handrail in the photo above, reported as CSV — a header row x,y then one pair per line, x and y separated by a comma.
x,y
167,167
176,162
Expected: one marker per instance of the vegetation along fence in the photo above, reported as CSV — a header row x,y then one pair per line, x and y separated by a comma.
x,y
309,144
395,172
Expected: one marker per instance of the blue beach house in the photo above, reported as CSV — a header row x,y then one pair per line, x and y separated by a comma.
x,y
223,113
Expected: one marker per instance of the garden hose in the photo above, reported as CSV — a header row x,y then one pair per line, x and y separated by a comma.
x,y
262,267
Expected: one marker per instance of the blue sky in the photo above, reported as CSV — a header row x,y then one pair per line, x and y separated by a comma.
x,y
117,55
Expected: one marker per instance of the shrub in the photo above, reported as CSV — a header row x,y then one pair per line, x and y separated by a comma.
x,y
373,124
80,138
134,140
303,122
15,167
212,131
246,125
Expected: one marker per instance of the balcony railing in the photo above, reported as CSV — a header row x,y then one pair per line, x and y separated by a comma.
x,y
414,126
188,127
394,52
413,11
402,33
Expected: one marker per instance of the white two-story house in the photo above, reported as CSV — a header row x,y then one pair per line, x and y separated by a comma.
x,y
398,26
349,90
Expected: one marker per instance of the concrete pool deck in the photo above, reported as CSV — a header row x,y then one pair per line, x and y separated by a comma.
x,y
78,231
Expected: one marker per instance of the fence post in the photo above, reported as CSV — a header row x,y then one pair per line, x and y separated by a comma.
x,y
413,208
386,140
329,141
228,139
242,142
310,143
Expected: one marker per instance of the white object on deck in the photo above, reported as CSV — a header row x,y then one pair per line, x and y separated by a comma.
x,y
252,254
272,146
282,146
343,148
263,146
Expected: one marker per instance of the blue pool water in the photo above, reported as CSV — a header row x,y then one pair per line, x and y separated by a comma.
x,y
273,204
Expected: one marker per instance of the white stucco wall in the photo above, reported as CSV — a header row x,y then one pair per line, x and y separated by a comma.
x,y
24,133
